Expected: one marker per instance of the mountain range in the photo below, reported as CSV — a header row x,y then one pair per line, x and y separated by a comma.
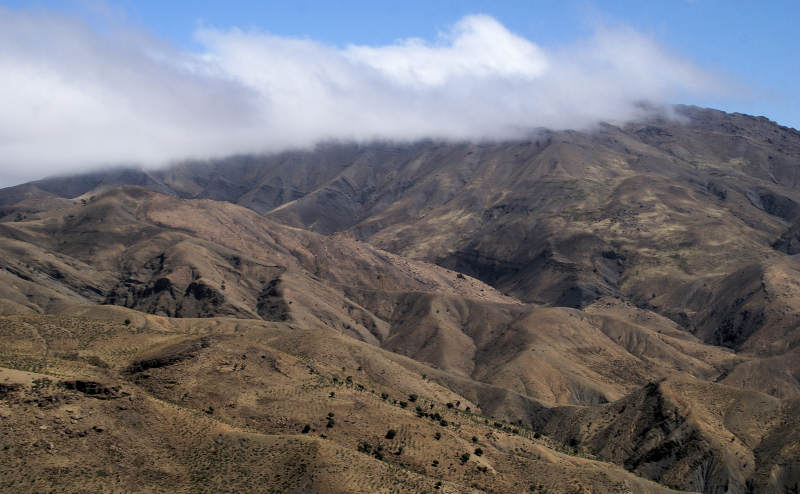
x,y
609,310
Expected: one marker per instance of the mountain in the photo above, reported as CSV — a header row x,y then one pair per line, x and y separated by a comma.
x,y
614,310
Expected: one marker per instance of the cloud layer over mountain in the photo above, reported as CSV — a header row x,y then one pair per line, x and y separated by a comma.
x,y
76,96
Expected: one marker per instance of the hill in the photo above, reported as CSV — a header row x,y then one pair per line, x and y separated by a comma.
x,y
612,310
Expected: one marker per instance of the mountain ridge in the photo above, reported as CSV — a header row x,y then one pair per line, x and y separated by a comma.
x,y
608,309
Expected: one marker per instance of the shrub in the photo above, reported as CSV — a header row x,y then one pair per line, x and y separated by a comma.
x,y
330,423
449,405
391,433
412,398
437,436
384,396
403,404
474,439
443,423
465,457
306,429
478,452
435,463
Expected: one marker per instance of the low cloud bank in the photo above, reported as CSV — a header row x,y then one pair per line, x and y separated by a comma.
x,y
73,96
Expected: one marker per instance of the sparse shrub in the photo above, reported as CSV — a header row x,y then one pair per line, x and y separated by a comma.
x,y
465,457
384,396
412,398
435,463
330,423
449,405
127,322
365,447
478,452
41,383
403,404
437,436
331,394
474,439
306,429
536,435
391,433
443,423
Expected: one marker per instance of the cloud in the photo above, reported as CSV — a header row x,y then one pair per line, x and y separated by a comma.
x,y
73,96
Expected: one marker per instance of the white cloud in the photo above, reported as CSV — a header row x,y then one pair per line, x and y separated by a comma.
x,y
75,97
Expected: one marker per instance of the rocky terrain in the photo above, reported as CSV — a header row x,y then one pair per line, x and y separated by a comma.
x,y
614,310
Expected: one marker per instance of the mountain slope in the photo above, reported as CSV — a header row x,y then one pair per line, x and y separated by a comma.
x,y
612,310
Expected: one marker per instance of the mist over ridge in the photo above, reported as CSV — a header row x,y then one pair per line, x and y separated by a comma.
x,y
77,98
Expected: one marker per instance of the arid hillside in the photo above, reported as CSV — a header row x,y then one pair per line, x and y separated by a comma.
x,y
613,310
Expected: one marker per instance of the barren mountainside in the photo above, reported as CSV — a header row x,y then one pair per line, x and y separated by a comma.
x,y
613,310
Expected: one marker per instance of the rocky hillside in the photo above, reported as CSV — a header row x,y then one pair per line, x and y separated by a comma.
x,y
613,310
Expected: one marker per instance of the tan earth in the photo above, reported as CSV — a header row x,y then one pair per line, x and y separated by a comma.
x,y
616,310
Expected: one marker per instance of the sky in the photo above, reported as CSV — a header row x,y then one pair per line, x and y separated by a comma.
x,y
90,83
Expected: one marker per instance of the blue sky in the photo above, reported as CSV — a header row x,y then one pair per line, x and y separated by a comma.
x,y
754,43
92,83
